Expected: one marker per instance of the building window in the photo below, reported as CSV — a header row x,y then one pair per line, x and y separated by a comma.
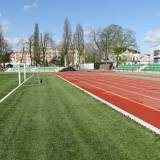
x,y
156,60
157,53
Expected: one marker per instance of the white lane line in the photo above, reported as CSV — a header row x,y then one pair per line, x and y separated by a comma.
x,y
133,92
128,79
147,90
132,79
117,95
122,81
136,119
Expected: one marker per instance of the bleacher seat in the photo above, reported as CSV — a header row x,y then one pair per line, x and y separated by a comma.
x,y
129,67
152,68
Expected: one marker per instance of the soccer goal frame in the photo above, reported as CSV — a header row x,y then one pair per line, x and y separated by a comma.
x,y
19,73
20,82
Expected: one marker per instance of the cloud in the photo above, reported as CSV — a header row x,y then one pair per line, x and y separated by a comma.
x,y
153,37
5,25
16,43
29,7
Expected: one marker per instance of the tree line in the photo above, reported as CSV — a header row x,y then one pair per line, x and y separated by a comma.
x,y
105,45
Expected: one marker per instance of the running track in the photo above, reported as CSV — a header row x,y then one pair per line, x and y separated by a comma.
x,y
138,97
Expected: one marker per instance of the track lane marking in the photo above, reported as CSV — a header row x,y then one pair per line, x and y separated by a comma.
x,y
118,95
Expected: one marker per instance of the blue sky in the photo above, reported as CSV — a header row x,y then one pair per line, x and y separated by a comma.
x,y
143,16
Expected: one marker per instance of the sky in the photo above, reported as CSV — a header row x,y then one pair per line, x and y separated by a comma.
x,y
18,17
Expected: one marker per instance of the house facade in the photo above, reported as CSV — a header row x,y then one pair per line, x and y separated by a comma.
x,y
130,56
25,57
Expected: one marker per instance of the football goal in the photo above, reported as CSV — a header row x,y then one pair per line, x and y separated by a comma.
x,y
24,72
10,82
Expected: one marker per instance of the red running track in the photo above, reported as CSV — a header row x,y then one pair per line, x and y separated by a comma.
x,y
138,97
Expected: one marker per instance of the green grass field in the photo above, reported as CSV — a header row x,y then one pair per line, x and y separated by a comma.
x,y
7,83
56,121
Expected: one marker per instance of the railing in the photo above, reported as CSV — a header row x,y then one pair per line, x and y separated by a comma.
x,y
35,69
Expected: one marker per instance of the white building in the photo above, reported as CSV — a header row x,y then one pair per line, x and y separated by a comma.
x,y
153,56
146,59
130,56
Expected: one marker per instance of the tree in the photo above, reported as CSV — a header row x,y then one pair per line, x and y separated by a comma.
x,y
78,41
120,39
101,42
36,46
46,41
4,49
1,45
67,35
91,53
23,44
114,40
30,45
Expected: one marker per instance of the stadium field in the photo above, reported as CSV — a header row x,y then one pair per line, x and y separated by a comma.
x,y
55,120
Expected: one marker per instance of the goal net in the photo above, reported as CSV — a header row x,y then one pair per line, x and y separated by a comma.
x,y
35,74
9,81
17,76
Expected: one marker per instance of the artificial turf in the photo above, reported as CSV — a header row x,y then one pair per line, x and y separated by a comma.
x,y
7,83
56,121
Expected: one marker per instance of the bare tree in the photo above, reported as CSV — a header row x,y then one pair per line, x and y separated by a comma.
x,y
79,41
23,45
30,48
46,41
71,54
4,49
1,45
66,40
102,44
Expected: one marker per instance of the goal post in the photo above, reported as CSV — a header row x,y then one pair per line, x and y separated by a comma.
x,y
24,71
20,80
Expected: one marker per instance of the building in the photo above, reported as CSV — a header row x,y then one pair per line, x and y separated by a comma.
x,y
17,57
25,57
130,56
146,59
153,56
156,56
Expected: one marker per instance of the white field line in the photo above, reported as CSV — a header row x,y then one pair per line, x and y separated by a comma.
x,y
136,119
14,89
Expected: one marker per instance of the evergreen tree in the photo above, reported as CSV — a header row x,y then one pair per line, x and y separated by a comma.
x,y
36,46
